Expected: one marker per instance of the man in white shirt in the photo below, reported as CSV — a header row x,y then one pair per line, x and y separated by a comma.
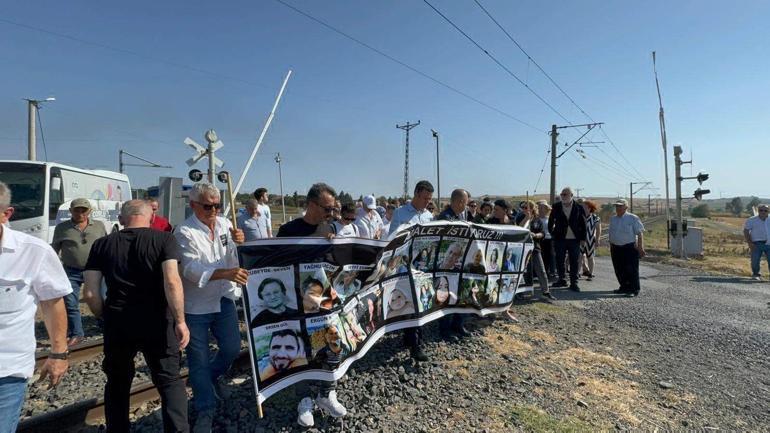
x,y
210,276
626,247
756,230
266,218
30,275
251,222
369,222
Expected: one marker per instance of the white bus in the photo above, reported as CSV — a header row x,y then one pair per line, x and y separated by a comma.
x,y
41,193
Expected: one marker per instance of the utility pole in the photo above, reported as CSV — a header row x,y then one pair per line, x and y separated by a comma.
x,y
407,127
32,106
554,156
632,192
578,191
280,181
649,204
438,172
679,237
662,120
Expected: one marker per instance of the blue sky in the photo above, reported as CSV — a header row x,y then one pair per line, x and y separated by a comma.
x,y
175,69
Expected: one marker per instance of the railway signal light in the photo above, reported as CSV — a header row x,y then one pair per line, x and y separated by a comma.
x,y
702,177
699,193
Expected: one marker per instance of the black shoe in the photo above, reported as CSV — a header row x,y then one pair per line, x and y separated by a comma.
x,y
461,331
560,283
419,355
574,287
587,274
548,297
632,294
619,291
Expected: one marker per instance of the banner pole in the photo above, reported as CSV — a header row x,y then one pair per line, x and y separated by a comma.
x,y
246,317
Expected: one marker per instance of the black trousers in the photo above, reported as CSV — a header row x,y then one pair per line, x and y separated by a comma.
x,y
452,322
625,261
546,248
412,337
565,248
157,341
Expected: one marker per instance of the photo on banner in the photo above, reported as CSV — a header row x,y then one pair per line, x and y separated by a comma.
x,y
347,282
381,267
369,308
399,261
327,340
318,295
350,320
512,257
279,348
271,294
474,260
397,297
488,296
445,285
495,253
470,288
450,255
424,251
426,295
508,289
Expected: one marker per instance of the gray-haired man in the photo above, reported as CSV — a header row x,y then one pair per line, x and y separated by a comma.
x,y
210,275
251,222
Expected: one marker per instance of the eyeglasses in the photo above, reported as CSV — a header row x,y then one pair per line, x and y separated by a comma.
x,y
209,207
472,205
348,218
328,210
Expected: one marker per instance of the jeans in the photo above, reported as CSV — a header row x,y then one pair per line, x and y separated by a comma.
x,y
72,303
205,369
11,399
123,338
760,248
564,248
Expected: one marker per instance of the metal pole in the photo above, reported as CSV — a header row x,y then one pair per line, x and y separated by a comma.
x,y
210,153
631,197
438,172
649,204
664,143
31,141
120,161
280,181
554,134
408,127
262,134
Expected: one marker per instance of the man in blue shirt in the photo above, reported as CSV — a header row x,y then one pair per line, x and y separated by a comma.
x,y
414,212
251,222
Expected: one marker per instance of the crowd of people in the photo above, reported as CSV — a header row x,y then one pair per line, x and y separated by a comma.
x,y
168,288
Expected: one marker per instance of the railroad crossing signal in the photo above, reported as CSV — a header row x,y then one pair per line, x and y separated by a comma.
x,y
201,152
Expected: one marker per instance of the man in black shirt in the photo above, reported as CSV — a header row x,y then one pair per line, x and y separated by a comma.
x,y
144,310
320,207
457,211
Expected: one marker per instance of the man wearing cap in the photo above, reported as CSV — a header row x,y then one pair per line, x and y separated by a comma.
x,y
756,231
369,222
72,240
626,247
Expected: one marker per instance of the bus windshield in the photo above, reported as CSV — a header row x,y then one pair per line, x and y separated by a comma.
x,y
27,184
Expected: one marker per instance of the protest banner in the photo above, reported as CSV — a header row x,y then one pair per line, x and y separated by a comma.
x,y
309,297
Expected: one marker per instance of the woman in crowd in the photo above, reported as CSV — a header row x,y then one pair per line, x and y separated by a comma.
x,y
593,232
500,213
534,224
546,244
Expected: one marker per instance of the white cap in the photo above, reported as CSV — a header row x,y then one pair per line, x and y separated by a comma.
x,y
370,202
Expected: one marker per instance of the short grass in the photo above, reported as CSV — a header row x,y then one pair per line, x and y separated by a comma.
x,y
534,419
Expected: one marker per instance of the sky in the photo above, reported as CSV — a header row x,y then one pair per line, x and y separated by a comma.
x,y
142,76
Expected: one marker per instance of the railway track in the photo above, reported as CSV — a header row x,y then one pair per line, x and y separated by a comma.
x,y
91,411
80,352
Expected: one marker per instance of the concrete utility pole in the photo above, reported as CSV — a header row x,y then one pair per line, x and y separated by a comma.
x,y
577,191
280,181
554,156
32,106
438,172
679,237
407,127
662,120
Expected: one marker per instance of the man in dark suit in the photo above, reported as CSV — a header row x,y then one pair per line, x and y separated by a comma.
x,y
567,225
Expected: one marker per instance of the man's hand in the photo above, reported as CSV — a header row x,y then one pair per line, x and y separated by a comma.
x,y
238,236
641,251
53,369
182,334
330,236
751,247
237,275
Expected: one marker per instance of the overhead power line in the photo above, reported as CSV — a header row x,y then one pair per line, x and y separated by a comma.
x,y
548,76
404,64
494,59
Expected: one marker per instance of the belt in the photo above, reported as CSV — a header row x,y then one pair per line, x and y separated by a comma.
x,y
630,245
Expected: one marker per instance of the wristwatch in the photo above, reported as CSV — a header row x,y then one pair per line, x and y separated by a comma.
x,y
62,355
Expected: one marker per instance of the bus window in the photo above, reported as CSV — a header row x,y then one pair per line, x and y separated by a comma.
x,y
56,193
26,182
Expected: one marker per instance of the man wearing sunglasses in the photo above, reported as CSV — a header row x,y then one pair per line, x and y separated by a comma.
x,y
316,221
756,231
210,276
72,240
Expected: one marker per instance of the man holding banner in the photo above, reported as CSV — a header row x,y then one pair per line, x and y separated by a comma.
x,y
414,212
210,275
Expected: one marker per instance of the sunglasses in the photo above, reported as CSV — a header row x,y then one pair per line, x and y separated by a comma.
x,y
348,218
329,209
83,239
209,207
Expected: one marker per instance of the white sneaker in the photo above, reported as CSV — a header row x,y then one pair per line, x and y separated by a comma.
x,y
203,422
331,405
305,409
756,278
